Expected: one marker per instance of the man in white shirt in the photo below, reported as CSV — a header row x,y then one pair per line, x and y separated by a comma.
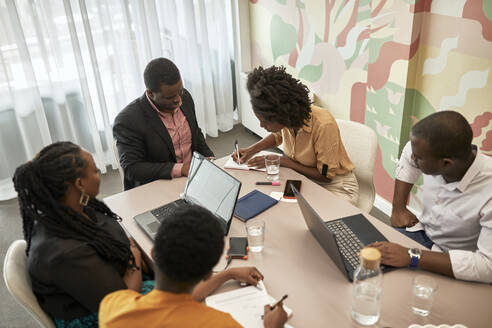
x,y
456,221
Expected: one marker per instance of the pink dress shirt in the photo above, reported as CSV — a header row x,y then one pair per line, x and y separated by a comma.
x,y
178,128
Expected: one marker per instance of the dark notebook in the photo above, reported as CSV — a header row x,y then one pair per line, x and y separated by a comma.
x,y
252,204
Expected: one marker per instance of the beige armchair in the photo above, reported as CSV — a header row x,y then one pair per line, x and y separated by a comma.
x,y
361,144
18,283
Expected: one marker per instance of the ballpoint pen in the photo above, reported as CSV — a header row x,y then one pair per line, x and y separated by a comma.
x,y
236,146
274,305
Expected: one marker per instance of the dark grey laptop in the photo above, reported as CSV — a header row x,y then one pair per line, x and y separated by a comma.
x,y
342,239
208,186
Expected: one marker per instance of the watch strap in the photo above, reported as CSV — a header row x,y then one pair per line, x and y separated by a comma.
x,y
414,261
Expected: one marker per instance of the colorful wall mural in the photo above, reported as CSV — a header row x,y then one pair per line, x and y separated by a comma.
x,y
384,63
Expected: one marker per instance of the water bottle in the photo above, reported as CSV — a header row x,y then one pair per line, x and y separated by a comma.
x,y
368,282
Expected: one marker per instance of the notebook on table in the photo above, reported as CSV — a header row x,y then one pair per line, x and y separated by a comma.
x,y
207,186
231,164
341,239
252,204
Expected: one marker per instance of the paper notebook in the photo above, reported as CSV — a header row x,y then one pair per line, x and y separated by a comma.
x,y
230,164
245,305
252,204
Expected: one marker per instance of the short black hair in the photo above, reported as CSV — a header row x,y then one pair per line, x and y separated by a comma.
x,y
160,71
188,244
278,97
448,134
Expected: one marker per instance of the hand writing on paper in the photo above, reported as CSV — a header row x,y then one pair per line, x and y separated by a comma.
x,y
244,155
275,318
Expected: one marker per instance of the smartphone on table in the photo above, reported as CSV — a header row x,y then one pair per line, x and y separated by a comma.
x,y
238,248
288,192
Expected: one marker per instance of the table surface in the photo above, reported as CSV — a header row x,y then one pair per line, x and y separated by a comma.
x,y
293,262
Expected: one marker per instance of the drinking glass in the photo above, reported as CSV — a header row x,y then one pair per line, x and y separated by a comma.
x,y
256,235
272,165
423,288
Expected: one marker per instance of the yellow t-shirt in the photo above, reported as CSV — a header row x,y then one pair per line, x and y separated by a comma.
x,y
127,308
317,144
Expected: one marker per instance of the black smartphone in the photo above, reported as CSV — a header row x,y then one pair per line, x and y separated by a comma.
x,y
238,248
288,192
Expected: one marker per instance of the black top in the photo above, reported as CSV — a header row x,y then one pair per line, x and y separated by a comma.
x,y
68,277
145,147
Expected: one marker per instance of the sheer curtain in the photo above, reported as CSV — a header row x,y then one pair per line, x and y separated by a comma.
x,y
67,67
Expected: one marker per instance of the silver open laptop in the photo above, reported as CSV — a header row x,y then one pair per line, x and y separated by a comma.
x,y
208,186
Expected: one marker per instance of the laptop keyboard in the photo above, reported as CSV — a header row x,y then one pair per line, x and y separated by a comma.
x,y
167,210
348,243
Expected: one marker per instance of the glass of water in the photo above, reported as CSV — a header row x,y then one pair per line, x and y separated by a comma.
x,y
272,165
423,288
256,235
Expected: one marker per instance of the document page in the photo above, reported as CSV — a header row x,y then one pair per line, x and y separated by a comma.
x,y
245,305
230,164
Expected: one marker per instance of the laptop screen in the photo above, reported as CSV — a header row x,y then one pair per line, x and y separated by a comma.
x,y
211,187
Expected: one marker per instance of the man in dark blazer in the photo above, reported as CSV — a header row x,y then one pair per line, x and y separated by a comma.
x,y
157,133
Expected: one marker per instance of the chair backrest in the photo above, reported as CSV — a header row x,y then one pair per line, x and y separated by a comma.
x,y
18,283
120,169
361,144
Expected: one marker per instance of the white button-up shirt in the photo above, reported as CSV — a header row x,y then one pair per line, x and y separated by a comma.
x,y
457,216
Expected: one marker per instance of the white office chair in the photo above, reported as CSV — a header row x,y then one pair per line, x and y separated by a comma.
x,y
361,144
120,169
19,284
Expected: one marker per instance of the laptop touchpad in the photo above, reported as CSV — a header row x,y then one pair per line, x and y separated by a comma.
x,y
154,226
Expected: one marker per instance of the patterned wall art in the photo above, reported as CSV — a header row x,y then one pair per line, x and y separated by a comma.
x,y
384,63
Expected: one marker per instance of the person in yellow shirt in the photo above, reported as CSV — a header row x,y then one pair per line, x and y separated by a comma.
x,y
187,247
310,136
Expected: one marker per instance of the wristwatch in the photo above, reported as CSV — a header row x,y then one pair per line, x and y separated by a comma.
x,y
415,254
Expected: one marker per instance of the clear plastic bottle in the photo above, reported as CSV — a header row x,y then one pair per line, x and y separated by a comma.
x,y
368,283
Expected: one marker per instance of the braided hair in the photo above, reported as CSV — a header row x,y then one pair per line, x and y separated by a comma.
x,y
41,185
278,97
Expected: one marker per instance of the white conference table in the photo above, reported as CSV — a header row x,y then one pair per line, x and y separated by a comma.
x,y
293,263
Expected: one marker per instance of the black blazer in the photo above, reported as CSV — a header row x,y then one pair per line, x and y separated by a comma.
x,y
145,147
68,277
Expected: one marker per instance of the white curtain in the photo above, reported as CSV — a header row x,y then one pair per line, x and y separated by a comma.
x,y
67,67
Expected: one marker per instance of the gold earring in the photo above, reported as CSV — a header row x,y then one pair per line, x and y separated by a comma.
x,y
84,199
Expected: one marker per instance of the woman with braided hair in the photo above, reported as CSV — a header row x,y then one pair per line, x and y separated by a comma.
x,y
77,252
309,134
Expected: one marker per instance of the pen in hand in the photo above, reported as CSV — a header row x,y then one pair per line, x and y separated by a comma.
x,y
272,307
236,146
278,302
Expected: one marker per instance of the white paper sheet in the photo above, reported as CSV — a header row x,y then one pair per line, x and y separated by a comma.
x,y
246,305
230,164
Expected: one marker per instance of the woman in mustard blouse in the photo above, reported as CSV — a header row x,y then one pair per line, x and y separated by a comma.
x,y
309,134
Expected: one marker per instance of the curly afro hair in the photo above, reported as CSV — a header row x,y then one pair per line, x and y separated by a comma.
x,y
278,97
188,244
